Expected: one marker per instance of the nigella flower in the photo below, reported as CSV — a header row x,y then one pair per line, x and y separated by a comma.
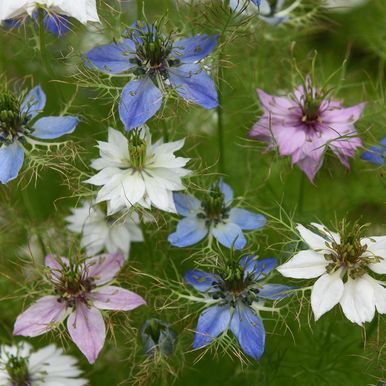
x,y
376,154
158,337
18,125
157,63
213,216
135,171
21,365
343,262
235,300
306,124
104,233
56,13
80,291
273,12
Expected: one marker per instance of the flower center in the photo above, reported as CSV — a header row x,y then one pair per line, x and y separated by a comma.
x,y
310,109
10,121
17,369
213,205
73,283
349,253
137,150
152,49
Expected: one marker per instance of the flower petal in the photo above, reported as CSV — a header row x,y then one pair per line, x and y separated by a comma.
x,y
140,100
193,84
186,204
200,280
193,49
33,103
11,161
87,330
313,240
376,247
227,191
42,316
358,301
275,291
115,298
105,267
54,127
211,323
249,331
326,293
259,268
113,58
56,24
229,235
304,265
189,231
246,220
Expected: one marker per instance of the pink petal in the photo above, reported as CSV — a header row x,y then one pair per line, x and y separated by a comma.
x,y
105,267
53,262
310,166
275,104
289,138
116,298
41,317
261,130
87,330
342,115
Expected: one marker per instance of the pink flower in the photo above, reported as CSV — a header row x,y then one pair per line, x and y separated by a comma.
x,y
305,125
80,291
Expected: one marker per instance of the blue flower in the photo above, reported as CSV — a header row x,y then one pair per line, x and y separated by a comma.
x,y
235,300
18,123
376,154
157,63
213,216
54,23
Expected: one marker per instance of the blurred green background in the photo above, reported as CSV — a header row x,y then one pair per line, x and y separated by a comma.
x,y
298,352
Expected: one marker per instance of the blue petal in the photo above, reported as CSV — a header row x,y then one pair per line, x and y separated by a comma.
x,y
186,204
275,291
201,281
227,191
194,85
211,323
383,142
260,269
249,331
256,2
189,231
54,127
229,235
193,49
11,161
56,24
246,220
140,100
13,23
33,103
374,155
113,58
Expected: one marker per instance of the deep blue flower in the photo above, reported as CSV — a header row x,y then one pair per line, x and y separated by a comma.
x,y
376,154
18,123
235,299
54,23
214,216
157,63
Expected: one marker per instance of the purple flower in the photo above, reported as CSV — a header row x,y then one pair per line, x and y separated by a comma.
x,y
18,123
306,124
157,63
80,291
235,299
214,216
376,154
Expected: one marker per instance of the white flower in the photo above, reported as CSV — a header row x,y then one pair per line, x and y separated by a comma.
x,y
21,365
343,263
83,10
99,232
137,172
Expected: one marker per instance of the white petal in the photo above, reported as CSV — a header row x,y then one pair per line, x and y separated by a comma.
x,y
330,234
326,293
313,240
304,265
376,246
12,8
358,302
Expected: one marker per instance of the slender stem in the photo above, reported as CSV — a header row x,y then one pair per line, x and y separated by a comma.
x,y
42,42
139,9
302,185
220,116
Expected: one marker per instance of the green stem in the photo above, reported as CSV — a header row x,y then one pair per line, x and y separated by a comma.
x,y
302,185
42,43
139,9
220,116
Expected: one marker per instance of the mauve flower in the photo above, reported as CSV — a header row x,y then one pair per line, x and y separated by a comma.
x,y
306,124
80,291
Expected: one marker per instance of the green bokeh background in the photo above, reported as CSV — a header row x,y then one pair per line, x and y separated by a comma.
x,y
299,352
